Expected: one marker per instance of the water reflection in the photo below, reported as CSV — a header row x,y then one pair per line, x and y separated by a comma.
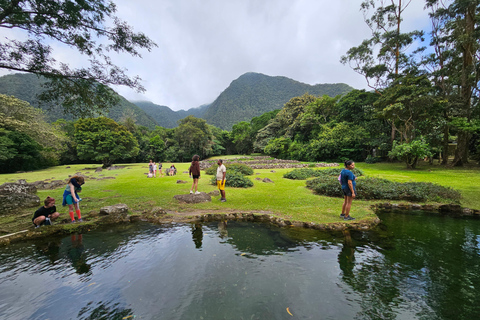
x,y
412,267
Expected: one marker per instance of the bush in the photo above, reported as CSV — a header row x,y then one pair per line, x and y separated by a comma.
x,y
237,167
301,174
376,188
371,160
305,173
234,179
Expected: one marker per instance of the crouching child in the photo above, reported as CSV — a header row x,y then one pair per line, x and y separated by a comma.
x,y
45,214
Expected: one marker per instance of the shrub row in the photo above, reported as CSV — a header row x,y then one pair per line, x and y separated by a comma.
x,y
305,173
376,188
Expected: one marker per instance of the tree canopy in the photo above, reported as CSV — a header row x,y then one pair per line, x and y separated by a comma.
x,y
91,28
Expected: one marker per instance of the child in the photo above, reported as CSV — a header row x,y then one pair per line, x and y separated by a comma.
x,y
45,214
71,198
154,169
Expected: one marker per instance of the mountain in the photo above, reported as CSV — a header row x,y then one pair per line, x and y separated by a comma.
x,y
253,94
27,86
166,117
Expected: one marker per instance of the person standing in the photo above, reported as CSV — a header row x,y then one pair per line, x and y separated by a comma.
x,y
348,181
71,198
154,169
194,173
45,214
150,169
221,174
160,173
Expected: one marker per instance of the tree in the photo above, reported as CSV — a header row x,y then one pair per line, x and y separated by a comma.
x,y
102,139
18,116
193,136
91,28
410,152
241,136
383,57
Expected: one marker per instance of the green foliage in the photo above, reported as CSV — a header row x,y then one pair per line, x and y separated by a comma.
x,y
27,87
234,179
193,136
278,148
410,152
301,174
18,151
91,28
382,189
337,142
104,140
254,94
24,126
237,167
371,159
305,173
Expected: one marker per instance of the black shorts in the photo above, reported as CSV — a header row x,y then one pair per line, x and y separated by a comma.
x,y
347,192
195,176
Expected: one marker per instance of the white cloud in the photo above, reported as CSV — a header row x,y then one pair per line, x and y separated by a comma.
x,y
203,45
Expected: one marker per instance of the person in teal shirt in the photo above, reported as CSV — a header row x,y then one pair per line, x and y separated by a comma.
x,y
347,179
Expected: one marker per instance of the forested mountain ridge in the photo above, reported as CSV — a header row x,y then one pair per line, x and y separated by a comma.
x,y
26,87
253,94
166,117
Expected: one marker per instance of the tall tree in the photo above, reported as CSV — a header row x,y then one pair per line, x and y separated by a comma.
x,y
383,57
458,69
88,26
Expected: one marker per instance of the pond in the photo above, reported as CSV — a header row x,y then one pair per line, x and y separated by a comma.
x,y
413,266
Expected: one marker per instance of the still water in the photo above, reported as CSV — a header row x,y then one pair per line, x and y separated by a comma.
x,y
414,266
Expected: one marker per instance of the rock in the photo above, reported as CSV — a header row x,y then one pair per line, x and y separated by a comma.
x,y
67,167
114,214
181,181
115,167
257,178
450,208
193,198
17,195
267,180
157,211
99,169
273,171
185,172
115,209
214,193
257,173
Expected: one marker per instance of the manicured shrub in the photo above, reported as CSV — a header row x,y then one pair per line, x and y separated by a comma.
x,y
234,179
382,189
301,174
305,173
237,167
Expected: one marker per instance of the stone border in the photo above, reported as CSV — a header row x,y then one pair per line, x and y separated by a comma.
x,y
447,209
158,215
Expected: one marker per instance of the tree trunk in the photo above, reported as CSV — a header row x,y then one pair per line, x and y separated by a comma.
x,y
445,144
461,150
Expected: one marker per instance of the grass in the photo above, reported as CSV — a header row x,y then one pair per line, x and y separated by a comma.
x,y
284,198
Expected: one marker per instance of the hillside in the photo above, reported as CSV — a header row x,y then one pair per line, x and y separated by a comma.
x,y
27,86
166,117
253,94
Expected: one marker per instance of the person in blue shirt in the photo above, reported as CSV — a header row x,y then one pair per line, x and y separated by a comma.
x,y
347,179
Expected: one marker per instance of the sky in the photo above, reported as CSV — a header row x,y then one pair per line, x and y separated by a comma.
x,y
204,45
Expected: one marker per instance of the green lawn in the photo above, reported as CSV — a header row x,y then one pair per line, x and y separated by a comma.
x,y
284,198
